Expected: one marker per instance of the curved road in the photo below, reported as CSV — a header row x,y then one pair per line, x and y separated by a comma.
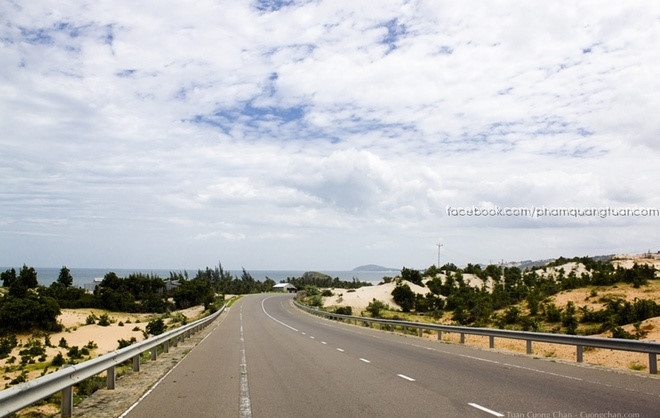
x,y
269,359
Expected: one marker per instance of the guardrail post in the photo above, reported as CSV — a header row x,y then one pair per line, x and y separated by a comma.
x,y
136,363
529,346
67,402
166,346
653,363
419,332
405,330
462,338
491,341
154,353
111,378
175,341
579,353
439,335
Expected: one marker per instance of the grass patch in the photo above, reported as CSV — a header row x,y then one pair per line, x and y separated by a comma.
x,y
636,366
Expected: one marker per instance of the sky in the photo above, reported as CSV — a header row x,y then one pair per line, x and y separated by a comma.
x,y
326,134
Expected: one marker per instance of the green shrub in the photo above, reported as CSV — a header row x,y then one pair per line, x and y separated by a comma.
x,y
7,344
344,310
156,327
74,353
58,360
125,343
375,307
90,385
104,320
316,301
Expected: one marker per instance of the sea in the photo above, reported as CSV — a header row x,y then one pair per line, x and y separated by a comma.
x,y
83,276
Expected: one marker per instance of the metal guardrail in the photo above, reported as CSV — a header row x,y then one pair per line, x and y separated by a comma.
x,y
580,342
25,394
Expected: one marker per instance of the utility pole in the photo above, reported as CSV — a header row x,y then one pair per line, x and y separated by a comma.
x,y
439,245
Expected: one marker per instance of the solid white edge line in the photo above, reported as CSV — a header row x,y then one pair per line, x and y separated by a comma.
x,y
147,393
483,408
403,376
151,389
276,320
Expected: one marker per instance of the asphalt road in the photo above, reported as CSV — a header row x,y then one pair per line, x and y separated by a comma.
x,y
269,359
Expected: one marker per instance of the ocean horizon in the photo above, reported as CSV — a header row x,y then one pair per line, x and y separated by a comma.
x,y
81,276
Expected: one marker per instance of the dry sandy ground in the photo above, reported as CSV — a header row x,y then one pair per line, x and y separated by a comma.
x,y
359,298
77,333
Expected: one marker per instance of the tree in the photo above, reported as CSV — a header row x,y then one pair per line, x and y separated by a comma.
x,y
568,319
404,297
28,277
412,275
8,277
65,277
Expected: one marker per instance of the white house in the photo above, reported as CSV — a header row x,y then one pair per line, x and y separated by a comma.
x,y
284,287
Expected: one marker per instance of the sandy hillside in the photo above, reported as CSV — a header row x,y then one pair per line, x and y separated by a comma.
x,y
77,333
358,299
627,260
591,297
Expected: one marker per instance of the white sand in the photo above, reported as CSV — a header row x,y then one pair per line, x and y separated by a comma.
x,y
77,333
360,298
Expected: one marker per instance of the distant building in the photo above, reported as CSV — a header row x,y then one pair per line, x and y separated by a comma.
x,y
284,287
91,287
172,284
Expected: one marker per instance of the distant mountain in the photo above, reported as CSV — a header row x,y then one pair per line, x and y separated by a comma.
x,y
373,267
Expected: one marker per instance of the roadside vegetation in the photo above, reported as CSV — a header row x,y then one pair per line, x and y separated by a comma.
x,y
511,298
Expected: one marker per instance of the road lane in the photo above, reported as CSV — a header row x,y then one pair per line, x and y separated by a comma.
x,y
300,365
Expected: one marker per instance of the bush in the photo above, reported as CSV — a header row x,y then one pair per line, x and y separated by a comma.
x,y
74,353
316,301
6,345
156,327
90,385
552,313
511,315
104,320
375,307
58,360
125,343
327,293
344,310
63,343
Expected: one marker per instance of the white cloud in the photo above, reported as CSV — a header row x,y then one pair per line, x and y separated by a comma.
x,y
220,127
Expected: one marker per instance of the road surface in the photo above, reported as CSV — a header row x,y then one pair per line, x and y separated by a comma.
x,y
270,359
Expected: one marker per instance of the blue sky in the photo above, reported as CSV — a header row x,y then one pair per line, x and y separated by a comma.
x,y
324,134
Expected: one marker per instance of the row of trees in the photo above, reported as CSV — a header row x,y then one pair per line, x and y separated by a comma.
x,y
507,287
316,279
28,305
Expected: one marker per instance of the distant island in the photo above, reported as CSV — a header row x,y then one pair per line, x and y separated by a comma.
x,y
374,267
